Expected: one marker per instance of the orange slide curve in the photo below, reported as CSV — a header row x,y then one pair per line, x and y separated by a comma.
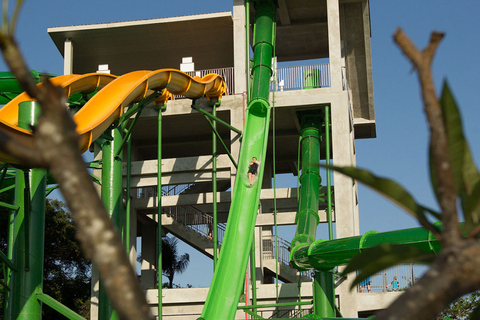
x,y
114,94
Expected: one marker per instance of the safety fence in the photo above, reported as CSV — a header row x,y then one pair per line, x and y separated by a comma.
x,y
286,78
226,73
270,247
302,77
382,281
280,247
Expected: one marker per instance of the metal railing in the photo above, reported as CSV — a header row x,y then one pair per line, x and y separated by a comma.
x,y
302,77
226,73
269,252
189,216
291,313
196,220
405,274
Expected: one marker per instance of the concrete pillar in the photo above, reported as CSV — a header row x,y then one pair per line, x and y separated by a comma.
x,y
345,191
334,45
239,46
68,57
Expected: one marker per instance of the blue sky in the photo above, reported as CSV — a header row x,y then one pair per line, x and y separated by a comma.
x,y
400,149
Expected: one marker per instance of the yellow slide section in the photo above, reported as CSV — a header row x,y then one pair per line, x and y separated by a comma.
x,y
107,105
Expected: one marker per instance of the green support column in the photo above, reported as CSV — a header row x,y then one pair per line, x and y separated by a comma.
x,y
324,294
307,218
26,243
214,187
112,199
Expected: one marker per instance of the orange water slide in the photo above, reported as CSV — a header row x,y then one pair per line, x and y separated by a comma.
x,y
115,93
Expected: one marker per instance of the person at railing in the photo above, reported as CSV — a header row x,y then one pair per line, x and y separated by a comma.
x,y
394,284
210,230
365,283
252,170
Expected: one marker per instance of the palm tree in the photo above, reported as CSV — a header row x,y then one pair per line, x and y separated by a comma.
x,y
172,263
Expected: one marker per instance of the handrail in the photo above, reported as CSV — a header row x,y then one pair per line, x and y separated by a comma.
x,y
302,77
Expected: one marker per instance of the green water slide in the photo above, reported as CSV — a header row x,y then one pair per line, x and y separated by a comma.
x,y
228,278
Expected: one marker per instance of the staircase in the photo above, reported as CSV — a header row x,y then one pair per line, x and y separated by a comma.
x,y
195,227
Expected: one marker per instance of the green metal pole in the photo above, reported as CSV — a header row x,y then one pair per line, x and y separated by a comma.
x,y
112,192
247,26
129,200
27,239
253,269
59,307
329,182
214,187
215,118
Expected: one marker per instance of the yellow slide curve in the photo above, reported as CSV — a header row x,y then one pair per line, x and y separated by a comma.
x,y
114,94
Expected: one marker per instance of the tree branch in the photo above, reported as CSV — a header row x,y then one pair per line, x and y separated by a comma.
x,y
452,275
438,138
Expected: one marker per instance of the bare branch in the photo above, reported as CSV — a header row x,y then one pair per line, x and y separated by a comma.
x,y
438,138
20,152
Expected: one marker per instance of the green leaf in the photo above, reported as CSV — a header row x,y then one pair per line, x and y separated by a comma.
x,y
471,204
455,137
466,175
381,257
393,191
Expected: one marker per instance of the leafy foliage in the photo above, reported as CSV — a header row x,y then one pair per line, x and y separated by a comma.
x,y
172,262
462,308
66,272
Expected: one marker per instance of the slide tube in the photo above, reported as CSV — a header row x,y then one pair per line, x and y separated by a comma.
x,y
324,255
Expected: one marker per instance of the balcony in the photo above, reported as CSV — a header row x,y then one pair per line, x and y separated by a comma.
x,y
302,77
286,78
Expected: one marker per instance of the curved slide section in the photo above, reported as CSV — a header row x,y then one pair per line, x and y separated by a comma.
x,y
108,104
71,84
